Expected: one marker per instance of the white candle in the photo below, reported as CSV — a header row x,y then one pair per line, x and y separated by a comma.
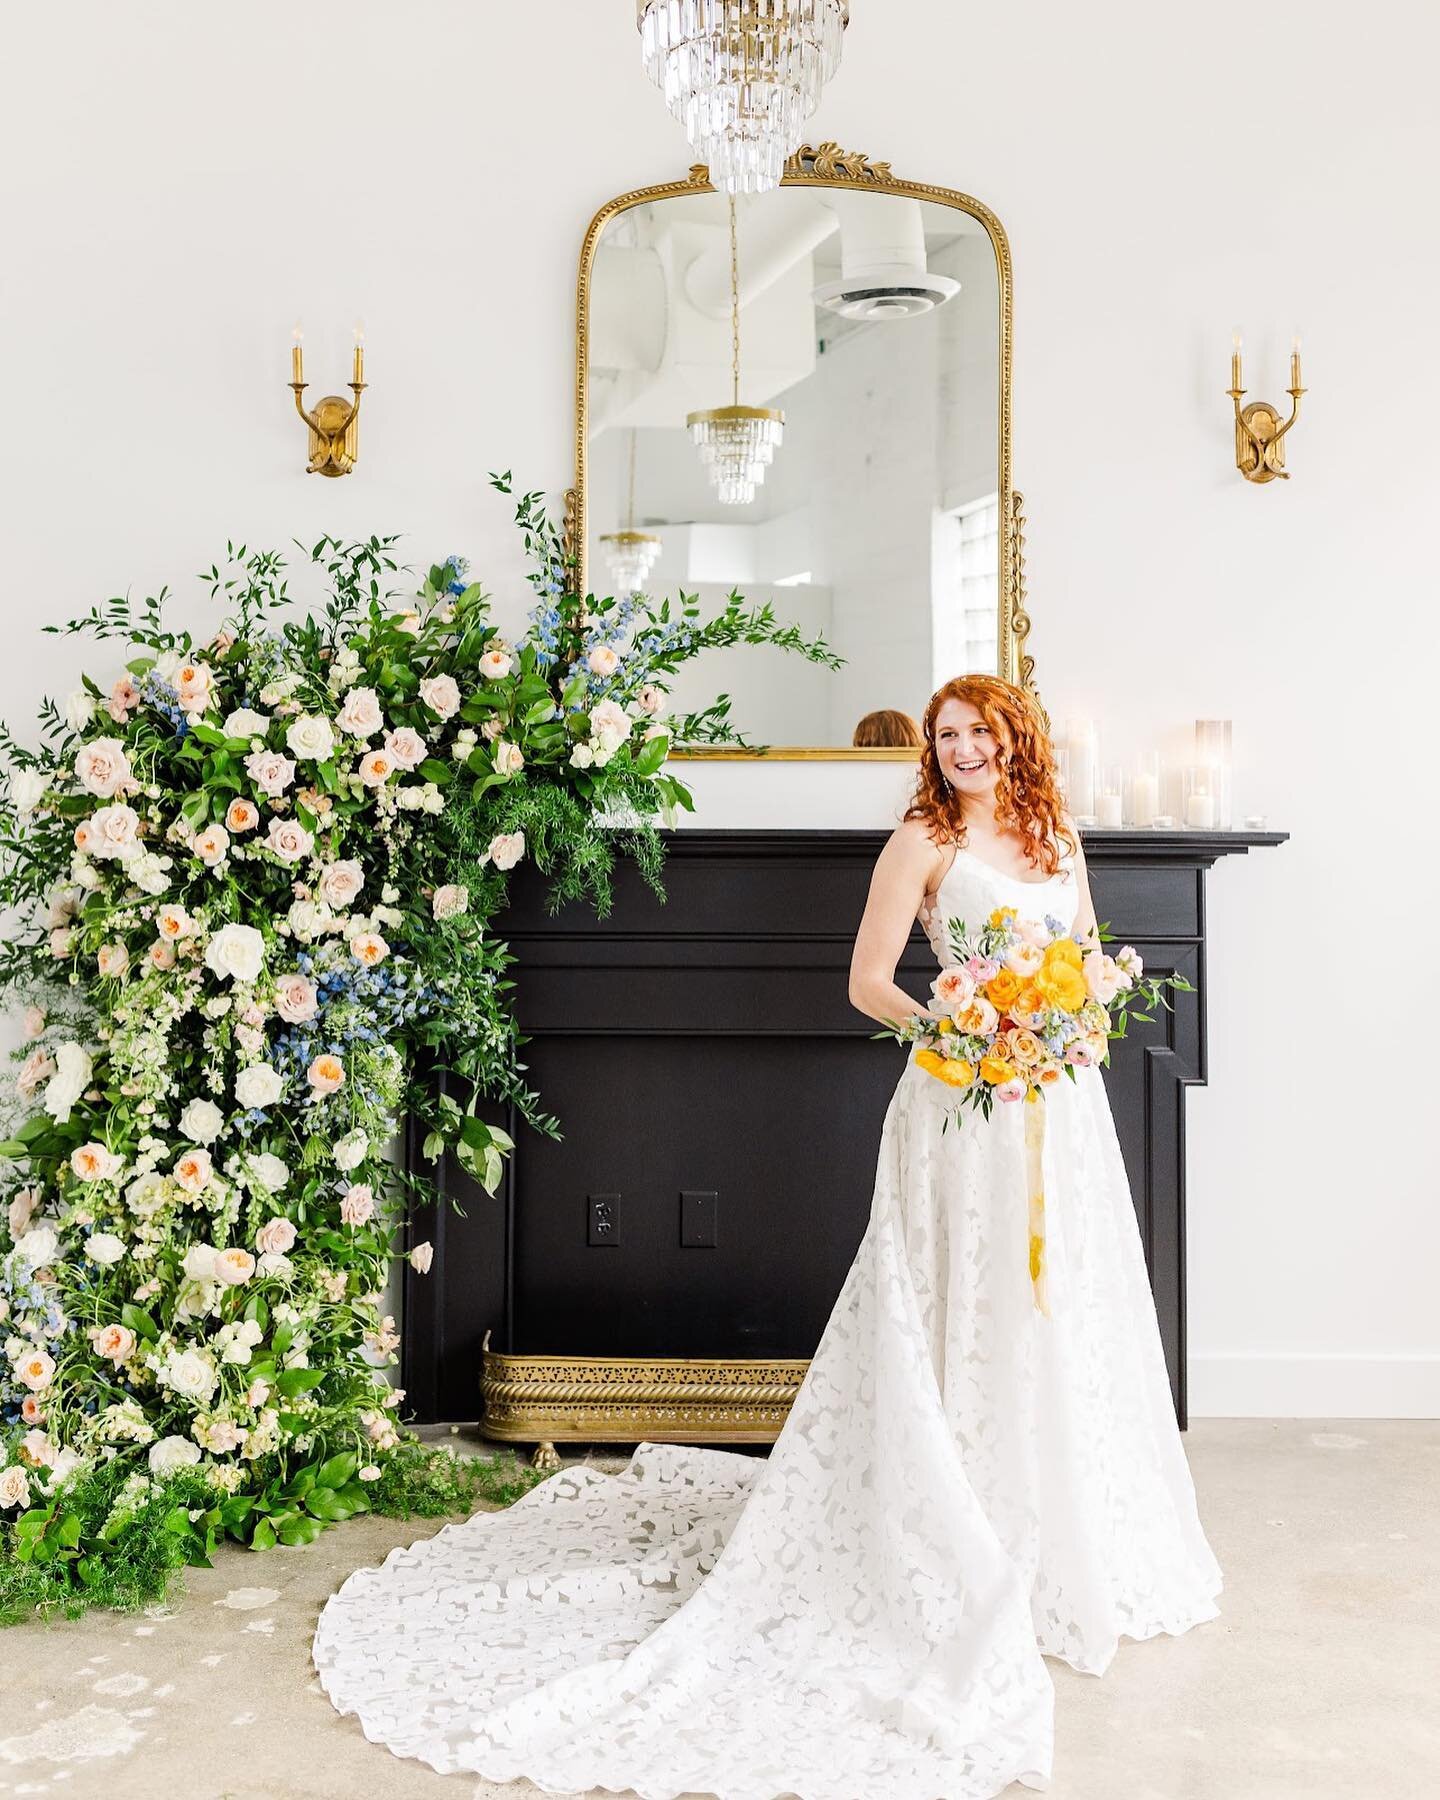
x,y
1200,811
1147,798
1109,812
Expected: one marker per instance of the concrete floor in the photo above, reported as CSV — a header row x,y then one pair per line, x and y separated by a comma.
x,y
1320,1679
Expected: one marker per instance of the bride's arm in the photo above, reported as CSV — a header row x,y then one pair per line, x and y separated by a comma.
x,y
1085,917
897,887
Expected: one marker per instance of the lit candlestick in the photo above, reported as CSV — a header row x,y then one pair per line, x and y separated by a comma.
x,y
297,363
359,374
1295,362
1235,360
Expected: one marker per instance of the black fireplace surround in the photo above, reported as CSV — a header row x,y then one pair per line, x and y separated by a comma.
x,y
722,1100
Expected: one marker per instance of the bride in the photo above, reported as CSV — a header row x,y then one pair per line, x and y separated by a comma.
x,y
964,1484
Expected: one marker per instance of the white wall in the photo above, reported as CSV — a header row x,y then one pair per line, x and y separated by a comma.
x,y
179,183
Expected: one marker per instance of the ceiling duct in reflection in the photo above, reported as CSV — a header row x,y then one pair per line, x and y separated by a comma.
x,y
882,259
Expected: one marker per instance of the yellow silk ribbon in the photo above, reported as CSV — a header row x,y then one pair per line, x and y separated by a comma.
x,y
1034,1110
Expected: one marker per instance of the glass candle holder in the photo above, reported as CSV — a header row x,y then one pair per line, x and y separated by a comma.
x,y
1198,798
1110,801
1146,789
1213,753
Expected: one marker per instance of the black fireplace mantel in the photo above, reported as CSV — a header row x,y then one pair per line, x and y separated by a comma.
x,y
707,1047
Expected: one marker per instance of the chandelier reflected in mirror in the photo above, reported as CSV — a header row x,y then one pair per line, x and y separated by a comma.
x,y
742,77
630,554
736,443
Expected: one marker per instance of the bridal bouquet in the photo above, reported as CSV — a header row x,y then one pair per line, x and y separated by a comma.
x,y
1021,1004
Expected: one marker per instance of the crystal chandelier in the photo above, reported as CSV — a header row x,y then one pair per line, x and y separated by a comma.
x,y
742,77
630,553
736,443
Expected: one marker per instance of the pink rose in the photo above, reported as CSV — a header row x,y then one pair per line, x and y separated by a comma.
x,y
289,840
276,1236
441,695
234,1267
95,1162
1024,959
650,699
449,901
358,1204
295,999
494,665
406,746
271,772
193,1170
1031,931
242,815
360,715
341,882
1104,977
22,1209
34,1021
103,768
982,968
505,849
173,923
35,1369
112,960
37,1067
160,955
113,832
369,949
602,660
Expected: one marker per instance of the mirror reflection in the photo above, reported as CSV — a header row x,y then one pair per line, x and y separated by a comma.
x,y
798,394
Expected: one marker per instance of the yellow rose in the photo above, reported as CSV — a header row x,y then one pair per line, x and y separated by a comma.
x,y
1062,986
1001,989
994,1070
944,1025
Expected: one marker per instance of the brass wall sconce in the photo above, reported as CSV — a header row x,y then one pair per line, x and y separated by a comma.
x,y
1259,432
335,423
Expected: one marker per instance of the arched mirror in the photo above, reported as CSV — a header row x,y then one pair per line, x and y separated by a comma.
x,y
805,395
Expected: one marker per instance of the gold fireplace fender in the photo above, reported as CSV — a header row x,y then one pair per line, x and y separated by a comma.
x,y
547,1400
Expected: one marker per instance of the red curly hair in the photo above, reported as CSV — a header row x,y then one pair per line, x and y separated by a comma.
x,y
1027,792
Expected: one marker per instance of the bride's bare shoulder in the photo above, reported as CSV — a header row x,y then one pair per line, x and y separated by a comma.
x,y
911,847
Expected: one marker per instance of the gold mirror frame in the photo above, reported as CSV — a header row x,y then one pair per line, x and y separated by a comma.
x,y
824,165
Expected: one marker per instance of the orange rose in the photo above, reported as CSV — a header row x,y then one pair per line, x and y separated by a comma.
x,y
1001,989
995,1069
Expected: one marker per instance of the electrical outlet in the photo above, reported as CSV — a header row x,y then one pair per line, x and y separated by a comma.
x,y
698,1209
602,1212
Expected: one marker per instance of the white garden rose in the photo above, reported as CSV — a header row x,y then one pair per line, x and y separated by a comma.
x,y
34,1368
194,687
506,849
73,1069
202,1121
188,1373
610,723
270,1172
259,1085
199,1262
27,789
39,1246
441,695
651,699
311,738
102,767
193,1170
246,723
212,845
376,767
494,665
151,873
450,901
79,710
95,1162
360,715
602,660
172,1454
105,1248
236,953
509,758
112,960
351,1150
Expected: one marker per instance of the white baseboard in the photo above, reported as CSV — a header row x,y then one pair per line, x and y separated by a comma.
x,y
1313,1385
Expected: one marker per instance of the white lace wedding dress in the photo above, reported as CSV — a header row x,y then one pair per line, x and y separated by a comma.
x,y
962,1487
